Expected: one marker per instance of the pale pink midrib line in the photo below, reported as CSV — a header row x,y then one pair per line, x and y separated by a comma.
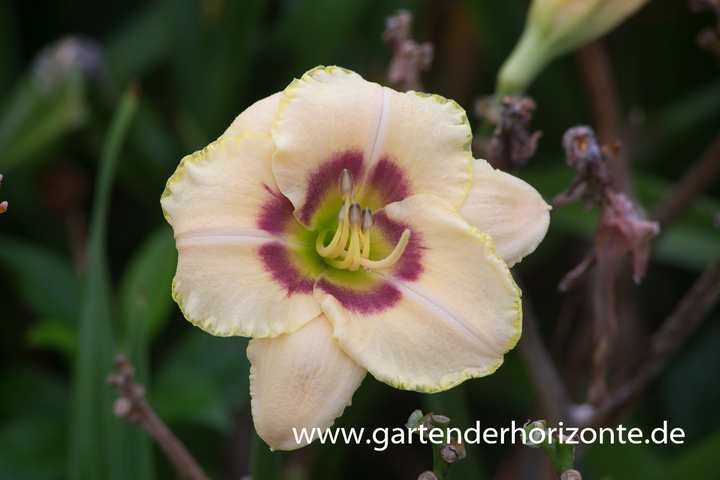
x,y
443,307
254,236
379,137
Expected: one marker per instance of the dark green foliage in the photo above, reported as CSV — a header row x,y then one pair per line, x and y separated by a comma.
x,y
65,314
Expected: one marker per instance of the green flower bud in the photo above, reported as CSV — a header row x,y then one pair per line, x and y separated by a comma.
x,y
555,27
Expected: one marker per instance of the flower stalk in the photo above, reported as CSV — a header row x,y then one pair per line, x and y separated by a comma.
x,y
561,454
444,454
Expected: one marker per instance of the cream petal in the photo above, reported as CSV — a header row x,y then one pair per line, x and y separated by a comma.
x,y
509,210
395,144
258,117
301,380
241,270
453,320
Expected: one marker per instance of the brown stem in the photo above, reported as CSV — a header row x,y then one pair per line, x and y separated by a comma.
x,y
610,253
696,179
597,74
551,392
677,328
133,406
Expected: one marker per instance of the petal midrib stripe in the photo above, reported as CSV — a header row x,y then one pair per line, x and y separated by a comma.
x,y
426,297
216,235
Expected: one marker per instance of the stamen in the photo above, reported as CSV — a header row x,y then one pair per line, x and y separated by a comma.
x,y
346,185
320,242
337,244
386,262
365,231
391,259
354,222
352,258
355,214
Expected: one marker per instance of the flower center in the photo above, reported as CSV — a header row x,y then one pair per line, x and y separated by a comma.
x,y
350,246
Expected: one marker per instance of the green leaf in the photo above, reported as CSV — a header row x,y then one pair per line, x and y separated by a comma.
x,y
44,279
93,442
316,29
141,43
136,460
147,283
33,424
52,334
32,120
699,462
203,381
264,463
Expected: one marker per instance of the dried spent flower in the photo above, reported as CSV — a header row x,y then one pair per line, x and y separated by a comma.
x,y
624,216
409,57
589,160
619,215
512,145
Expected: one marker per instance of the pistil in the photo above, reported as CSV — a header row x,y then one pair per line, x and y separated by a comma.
x,y
354,223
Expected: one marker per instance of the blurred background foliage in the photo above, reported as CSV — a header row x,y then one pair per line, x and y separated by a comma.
x,y
86,259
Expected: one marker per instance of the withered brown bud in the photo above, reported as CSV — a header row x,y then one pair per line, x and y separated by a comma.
x,y
449,453
122,407
512,145
409,57
427,475
592,178
437,419
571,475
459,446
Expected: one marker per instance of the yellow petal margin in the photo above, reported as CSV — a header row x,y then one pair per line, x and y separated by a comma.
x,y
455,322
509,210
429,138
405,142
302,380
213,201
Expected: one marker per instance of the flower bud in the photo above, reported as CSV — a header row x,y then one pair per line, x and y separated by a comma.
x,y
555,27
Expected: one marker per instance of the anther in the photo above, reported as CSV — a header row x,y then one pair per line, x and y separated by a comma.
x,y
366,220
353,232
346,184
365,233
355,215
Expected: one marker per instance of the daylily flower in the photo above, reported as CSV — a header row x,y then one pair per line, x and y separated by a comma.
x,y
345,227
556,27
